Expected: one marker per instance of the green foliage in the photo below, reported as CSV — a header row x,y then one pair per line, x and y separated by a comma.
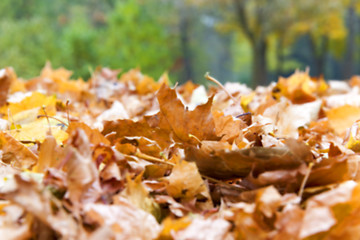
x,y
136,39
83,34
26,46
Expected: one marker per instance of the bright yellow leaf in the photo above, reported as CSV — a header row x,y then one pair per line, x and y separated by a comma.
x,y
343,117
35,101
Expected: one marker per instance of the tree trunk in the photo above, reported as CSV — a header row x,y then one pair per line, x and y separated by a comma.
x,y
350,46
279,57
225,58
319,54
185,44
259,65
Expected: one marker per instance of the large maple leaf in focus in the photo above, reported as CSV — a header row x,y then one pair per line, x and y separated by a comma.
x,y
187,125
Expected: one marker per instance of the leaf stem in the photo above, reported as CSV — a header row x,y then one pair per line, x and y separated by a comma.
x,y
303,183
47,118
54,119
211,79
151,158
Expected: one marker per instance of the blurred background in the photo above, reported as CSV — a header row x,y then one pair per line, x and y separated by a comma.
x,y
250,41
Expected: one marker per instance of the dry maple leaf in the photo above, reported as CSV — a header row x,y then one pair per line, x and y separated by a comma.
x,y
186,183
228,164
184,123
15,153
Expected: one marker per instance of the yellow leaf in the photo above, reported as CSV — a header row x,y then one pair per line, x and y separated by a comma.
x,y
136,193
35,101
300,88
186,183
15,153
343,117
246,100
37,131
171,225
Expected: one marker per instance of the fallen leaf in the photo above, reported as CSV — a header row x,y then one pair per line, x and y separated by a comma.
x,y
136,193
36,100
343,117
82,175
204,229
29,196
125,220
94,136
15,153
186,183
184,123
5,82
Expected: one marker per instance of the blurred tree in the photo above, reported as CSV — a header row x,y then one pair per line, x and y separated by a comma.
x,y
136,37
184,12
352,26
80,34
186,37
324,23
252,17
287,19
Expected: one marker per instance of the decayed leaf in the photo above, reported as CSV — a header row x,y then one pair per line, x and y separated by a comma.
x,y
15,153
117,111
229,164
186,183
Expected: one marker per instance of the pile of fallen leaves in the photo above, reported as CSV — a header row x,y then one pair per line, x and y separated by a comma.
x,y
132,158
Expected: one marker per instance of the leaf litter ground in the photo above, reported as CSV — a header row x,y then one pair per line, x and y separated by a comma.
x,y
133,158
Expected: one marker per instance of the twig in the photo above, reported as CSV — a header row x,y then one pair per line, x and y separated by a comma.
x,y
47,118
10,116
221,182
27,142
303,183
208,77
39,116
193,136
151,158
67,111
